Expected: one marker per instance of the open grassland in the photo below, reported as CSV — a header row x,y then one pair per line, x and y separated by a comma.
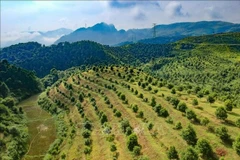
x,y
123,113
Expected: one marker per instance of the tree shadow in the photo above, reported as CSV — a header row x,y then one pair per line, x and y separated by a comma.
x,y
234,114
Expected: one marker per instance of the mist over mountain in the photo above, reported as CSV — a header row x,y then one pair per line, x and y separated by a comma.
x,y
46,38
107,34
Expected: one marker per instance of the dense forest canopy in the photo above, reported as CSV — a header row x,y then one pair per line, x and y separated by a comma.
x,y
17,82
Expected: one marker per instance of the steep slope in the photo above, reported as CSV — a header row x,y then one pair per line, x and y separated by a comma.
x,y
111,112
109,35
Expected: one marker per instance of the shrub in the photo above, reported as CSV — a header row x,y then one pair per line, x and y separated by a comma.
x,y
123,97
103,119
136,150
222,133
189,135
163,113
174,101
236,145
182,107
153,102
172,153
87,150
132,141
204,121
173,91
210,99
190,114
113,148
221,113
88,142
178,126
189,154
135,108
195,102
238,123
228,105
204,147
128,131
150,126
140,114
118,114
124,125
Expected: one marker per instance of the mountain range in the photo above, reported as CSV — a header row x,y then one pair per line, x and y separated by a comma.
x,y
107,34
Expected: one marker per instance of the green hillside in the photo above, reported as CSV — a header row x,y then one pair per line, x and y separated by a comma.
x,y
123,113
202,64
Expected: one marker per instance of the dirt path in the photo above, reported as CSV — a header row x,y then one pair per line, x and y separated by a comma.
x,y
41,128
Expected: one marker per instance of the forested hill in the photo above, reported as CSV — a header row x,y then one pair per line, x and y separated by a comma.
x,y
17,82
204,63
42,59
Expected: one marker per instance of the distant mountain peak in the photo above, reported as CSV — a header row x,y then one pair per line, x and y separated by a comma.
x,y
104,27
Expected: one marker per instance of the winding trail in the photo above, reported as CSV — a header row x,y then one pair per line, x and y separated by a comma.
x,y
41,128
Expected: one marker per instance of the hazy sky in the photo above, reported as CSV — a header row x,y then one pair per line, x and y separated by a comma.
x,y
49,15
18,16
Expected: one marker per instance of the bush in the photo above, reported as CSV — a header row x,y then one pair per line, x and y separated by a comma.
x,y
228,105
113,148
238,123
103,119
132,141
118,114
182,107
124,125
87,150
178,126
123,97
136,150
140,114
204,147
204,121
174,101
222,133
153,102
210,99
150,126
135,108
190,114
189,135
88,142
86,134
221,113
172,153
236,145
195,102
189,154
163,113
173,91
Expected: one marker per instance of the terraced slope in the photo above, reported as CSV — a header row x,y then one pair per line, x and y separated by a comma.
x,y
123,113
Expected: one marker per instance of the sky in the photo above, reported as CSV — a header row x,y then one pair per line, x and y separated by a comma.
x,y
19,16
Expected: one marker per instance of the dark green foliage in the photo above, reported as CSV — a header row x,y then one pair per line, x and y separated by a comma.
x,y
228,105
136,150
178,126
140,114
190,114
173,91
123,97
172,153
135,108
132,141
153,102
189,135
81,97
222,133
195,102
204,121
113,148
124,125
163,113
236,145
86,133
238,122
182,107
150,126
189,154
118,114
204,147
210,99
174,101
221,113
103,118
87,150
17,82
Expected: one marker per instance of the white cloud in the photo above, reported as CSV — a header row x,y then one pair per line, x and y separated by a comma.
x,y
174,9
